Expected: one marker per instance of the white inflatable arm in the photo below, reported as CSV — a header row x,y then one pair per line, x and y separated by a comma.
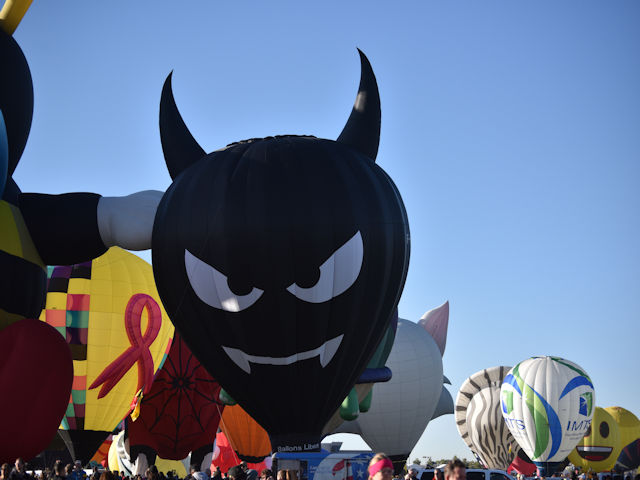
x,y
128,221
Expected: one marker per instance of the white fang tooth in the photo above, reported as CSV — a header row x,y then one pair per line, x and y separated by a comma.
x,y
329,351
239,358
325,352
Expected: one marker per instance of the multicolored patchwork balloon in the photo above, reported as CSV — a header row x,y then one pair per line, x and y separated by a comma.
x,y
110,313
548,404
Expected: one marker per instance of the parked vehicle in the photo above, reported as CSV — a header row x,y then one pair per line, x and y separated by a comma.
x,y
472,474
324,465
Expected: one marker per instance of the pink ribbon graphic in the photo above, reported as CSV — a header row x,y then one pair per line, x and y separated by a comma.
x,y
138,352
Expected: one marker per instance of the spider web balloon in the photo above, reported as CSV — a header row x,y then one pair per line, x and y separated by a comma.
x,y
181,412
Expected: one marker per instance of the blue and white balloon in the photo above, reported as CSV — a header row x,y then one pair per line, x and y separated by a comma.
x,y
548,404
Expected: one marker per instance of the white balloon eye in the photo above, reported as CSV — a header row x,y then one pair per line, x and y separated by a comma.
x,y
212,287
337,273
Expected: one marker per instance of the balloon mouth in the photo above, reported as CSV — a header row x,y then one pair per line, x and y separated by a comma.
x,y
594,454
324,352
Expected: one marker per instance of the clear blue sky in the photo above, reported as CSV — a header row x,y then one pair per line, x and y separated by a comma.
x,y
512,130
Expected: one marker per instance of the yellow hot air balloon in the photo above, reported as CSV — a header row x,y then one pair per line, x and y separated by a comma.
x,y
600,447
119,335
166,466
629,425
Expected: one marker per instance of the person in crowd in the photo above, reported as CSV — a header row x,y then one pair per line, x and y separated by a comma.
x,y
282,475
150,474
19,472
380,467
5,471
413,473
196,474
77,472
58,471
266,474
236,473
455,470
217,474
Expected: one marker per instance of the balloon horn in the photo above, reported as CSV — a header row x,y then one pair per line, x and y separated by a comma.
x,y
362,130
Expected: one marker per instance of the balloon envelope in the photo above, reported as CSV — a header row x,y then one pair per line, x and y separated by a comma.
x,y
117,343
280,261
181,412
522,464
37,371
479,418
402,407
600,448
247,438
103,451
548,404
226,457
629,426
120,460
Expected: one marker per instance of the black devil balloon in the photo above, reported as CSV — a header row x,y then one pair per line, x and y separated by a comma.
x,y
280,261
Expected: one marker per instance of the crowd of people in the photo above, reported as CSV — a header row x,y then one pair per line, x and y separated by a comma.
x,y
380,468
76,472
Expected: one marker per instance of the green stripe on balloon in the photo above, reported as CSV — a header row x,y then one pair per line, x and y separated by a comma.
x,y
537,411
572,367
542,425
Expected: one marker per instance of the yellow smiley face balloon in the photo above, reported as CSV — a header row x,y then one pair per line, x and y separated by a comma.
x,y
600,447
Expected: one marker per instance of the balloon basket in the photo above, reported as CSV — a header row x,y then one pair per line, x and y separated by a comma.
x,y
546,469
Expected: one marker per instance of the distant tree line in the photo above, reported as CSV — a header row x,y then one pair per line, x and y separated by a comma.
x,y
431,463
